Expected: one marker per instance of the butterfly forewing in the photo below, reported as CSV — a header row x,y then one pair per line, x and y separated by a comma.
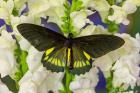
x,y
98,45
40,37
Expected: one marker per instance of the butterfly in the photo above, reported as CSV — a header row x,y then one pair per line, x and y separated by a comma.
x,y
76,53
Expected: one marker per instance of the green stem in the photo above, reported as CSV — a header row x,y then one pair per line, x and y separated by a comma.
x,y
68,77
68,80
67,28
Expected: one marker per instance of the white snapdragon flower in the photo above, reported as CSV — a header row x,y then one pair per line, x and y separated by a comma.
x,y
7,58
102,6
56,11
127,92
55,14
7,41
136,2
89,30
52,8
34,58
119,15
79,18
28,87
41,81
24,44
3,88
37,7
53,82
105,63
131,45
56,3
19,4
32,80
129,7
92,29
138,38
85,91
6,9
99,5
126,69
101,30
85,83
41,6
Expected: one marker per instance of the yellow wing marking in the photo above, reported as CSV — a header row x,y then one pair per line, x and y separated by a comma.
x,y
69,50
87,55
80,64
52,60
49,51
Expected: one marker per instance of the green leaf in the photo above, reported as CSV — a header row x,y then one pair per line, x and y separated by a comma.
x,y
5,0
18,75
21,60
21,56
24,65
10,83
111,2
15,12
109,84
76,5
112,26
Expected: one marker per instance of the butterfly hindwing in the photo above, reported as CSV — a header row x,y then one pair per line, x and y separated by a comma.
x,y
40,37
54,59
98,45
82,62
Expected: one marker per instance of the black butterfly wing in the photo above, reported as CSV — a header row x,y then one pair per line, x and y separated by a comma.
x,y
88,47
49,41
98,45
40,37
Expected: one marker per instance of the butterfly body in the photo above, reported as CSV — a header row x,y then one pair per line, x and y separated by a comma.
x,y
75,53
68,43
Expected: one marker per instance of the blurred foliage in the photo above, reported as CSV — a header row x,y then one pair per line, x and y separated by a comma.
x,y
10,83
21,60
134,26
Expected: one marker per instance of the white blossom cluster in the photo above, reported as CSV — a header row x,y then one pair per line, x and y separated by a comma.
x,y
123,62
